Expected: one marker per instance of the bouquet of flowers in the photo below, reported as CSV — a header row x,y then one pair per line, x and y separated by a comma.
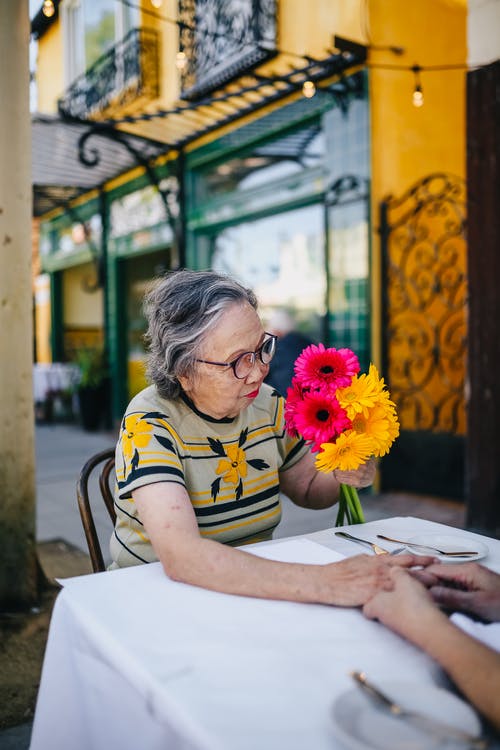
x,y
346,417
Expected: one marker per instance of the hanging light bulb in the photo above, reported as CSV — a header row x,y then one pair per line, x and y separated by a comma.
x,y
180,60
418,97
418,94
308,89
48,8
156,3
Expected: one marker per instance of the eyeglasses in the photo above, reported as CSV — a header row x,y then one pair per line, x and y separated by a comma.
x,y
242,366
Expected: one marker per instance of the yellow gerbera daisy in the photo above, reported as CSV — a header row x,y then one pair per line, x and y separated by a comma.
x,y
349,451
136,433
234,466
393,430
359,396
376,380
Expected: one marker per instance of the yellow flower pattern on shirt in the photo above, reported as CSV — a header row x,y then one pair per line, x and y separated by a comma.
x,y
136,433
234,466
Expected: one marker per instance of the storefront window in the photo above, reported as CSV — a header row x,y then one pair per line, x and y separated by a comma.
x,y
279,158
290,219
282,259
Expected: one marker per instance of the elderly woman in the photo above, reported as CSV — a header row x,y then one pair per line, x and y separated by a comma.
x,y
203,455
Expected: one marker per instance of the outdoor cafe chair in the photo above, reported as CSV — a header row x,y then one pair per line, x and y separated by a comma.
x,y
103,463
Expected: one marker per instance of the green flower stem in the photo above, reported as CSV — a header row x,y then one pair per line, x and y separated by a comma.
x,y
349,510
356,504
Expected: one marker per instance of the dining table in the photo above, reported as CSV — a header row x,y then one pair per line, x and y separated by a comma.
x,y
137,660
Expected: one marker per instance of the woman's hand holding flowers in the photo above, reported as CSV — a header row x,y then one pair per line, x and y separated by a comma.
x,y
362,477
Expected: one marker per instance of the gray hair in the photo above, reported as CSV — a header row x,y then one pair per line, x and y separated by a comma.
x,y
181,309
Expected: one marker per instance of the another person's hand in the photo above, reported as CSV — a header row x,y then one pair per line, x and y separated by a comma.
x,y
406,606
363,476
355,580
468,587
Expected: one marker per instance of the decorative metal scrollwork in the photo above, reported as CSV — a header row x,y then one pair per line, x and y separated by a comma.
x,y
126,72
349,187
168,188
223,39
424,254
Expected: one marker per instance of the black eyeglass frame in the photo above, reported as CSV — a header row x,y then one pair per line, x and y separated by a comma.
x,y
257,352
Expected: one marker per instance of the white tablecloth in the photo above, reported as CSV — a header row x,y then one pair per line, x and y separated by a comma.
x,y
136,660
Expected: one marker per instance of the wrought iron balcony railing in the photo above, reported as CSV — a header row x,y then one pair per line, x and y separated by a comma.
x,y
126,73
222,40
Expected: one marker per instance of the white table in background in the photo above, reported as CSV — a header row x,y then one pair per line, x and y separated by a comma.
x,y
135,660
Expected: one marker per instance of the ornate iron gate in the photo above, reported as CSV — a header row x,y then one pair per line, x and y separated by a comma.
x,y
424,315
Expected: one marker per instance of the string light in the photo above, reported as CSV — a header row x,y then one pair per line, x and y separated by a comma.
x,y
308,89
418,95
48,9
180,60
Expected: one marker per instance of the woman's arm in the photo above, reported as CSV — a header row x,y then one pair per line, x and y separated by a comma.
x,y
408,609
310,488
170,522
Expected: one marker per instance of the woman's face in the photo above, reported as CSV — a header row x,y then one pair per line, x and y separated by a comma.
x,y
215,390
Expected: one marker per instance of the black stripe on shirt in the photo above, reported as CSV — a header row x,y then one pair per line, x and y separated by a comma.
x,y
229,521
221,507
134,554
149,471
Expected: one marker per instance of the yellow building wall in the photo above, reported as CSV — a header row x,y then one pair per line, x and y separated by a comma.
x,y
49,74
411,142
168,34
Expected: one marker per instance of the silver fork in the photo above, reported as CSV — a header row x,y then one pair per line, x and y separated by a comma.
x,y
375,547
466,553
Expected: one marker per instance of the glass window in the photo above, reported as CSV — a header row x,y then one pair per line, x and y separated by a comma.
x,y
282,259
279,158
90,28
99,29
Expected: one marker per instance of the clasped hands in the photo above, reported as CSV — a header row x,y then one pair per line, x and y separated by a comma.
x,y
465,587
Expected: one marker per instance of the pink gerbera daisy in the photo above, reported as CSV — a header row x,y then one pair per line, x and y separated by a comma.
x,y
293,397
318,367
319,418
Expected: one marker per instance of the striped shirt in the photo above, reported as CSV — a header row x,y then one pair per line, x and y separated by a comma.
x,y
229,467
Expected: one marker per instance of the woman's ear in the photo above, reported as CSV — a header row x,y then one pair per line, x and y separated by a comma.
x,y
186,383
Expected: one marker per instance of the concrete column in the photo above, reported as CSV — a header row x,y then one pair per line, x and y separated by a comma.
x,y
17,464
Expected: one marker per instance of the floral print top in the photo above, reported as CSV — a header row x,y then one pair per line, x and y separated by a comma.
x,y
229,467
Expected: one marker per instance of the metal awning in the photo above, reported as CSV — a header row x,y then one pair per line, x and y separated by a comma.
x,y
58,174
71,157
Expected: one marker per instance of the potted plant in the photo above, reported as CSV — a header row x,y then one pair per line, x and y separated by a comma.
x,y
93,386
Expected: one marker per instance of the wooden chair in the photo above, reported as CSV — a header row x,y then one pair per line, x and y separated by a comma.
x,y
104,462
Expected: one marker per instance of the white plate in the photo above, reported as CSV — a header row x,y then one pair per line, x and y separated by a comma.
x,y
361,725
450,543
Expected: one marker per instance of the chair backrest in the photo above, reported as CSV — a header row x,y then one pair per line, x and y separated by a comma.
x,y
104,463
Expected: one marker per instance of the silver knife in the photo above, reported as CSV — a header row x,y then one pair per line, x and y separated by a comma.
x,y
419,720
